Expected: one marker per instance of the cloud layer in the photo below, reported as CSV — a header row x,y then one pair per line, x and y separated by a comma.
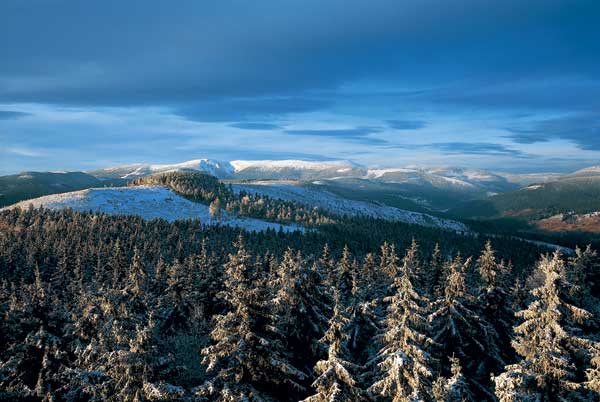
x,y
384,82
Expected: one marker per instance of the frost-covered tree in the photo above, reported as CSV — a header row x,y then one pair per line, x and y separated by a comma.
x,y
335,381
583,282
344,276
592,374
453,389
300,307
246,357
493,305
215,209
435,274
137,281
546,341
459,330
404,368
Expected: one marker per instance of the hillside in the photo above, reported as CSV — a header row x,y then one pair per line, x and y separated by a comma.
x,y
27,185
147,202
573,194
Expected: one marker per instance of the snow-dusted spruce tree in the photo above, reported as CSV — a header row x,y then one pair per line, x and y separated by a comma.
x,y
362,315
583,277
493,306
593,374
300,308
246,358
335,381
137,281
453,389
434,273
388,263
404,368
326,267
204,277
344,276
546,341
459,330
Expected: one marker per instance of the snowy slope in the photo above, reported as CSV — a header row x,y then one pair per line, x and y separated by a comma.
x,y
342,206
148,202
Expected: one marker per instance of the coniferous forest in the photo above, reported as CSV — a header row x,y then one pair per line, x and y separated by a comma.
x,y
114,308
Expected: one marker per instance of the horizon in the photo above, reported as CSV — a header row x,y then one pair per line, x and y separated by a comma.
x,y
369,167
509,87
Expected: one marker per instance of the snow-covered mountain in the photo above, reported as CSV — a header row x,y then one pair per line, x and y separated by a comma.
x,y
148,202
209,166
295,169
454,179
242,169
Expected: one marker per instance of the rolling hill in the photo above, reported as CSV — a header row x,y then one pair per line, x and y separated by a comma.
x,y
25,185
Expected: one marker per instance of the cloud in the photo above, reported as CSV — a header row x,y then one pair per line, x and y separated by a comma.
x,y
165,55
467,148
406,124
255,126
476,148
361,134
25,151
241,109
582,129
11,114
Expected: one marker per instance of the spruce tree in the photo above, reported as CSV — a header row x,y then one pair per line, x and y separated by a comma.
x,y
246,358
404,367
459,330
453,389
335,381
546,341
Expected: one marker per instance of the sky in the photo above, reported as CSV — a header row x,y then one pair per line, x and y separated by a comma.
x,y
502,85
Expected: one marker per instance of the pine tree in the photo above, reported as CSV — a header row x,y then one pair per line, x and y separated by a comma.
x,y
453,389
435,272
137,275
246,358
459,330
335,381
300,307
404,359
344,276
593,373
546,342
492,303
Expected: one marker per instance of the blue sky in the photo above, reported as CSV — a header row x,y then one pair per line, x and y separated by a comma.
x,y
511,85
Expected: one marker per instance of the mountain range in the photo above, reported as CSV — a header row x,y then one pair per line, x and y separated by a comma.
x,y
458,193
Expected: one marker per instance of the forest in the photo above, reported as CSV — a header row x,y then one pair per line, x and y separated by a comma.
x,y
114,308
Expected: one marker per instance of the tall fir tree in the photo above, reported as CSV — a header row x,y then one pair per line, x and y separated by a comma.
x,y
546,341
404,368
246,359
336,376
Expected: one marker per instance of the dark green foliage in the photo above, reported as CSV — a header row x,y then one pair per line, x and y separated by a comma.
x,y
98,307
26,185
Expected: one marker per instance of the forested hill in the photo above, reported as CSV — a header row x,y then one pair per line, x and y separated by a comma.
x,y
579,194
99,307
26,185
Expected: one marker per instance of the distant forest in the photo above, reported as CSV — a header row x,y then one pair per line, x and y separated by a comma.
x,y
107,308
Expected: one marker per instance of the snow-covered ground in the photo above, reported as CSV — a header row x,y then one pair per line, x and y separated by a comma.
x,y
149,202
342,206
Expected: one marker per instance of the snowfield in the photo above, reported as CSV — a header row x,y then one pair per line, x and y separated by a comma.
x,y
342,206
148,202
